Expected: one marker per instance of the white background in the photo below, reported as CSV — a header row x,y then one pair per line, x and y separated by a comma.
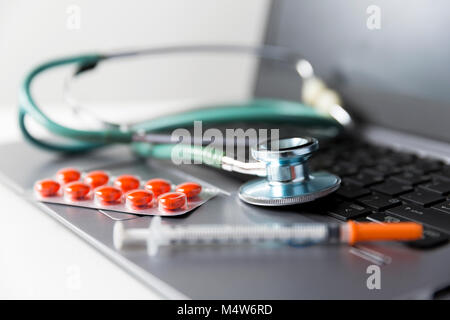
x,y
34,31
38,257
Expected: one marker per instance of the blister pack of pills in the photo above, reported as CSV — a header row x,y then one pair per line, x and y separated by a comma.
x,y
124,193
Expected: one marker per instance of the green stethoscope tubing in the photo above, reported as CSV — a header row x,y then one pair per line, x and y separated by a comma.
x,y
259,110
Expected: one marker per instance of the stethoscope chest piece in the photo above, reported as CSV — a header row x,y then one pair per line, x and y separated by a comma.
x,y
288,180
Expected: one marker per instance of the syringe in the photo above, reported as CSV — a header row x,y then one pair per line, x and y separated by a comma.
x,y
159,234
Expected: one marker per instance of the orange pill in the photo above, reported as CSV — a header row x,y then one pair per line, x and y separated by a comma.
x,y
67,175
158,186
139,199
172,201
108,195
77,190
190,189
127,182
96,178
47,188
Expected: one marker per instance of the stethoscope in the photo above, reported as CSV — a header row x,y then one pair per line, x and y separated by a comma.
x,y
282,165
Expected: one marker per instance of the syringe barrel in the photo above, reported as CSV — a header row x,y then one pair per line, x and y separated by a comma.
x,y
219,234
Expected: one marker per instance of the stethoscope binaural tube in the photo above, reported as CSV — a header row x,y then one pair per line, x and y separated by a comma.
x,y
273,111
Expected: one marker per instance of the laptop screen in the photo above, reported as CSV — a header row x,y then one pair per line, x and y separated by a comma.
x,y
389,59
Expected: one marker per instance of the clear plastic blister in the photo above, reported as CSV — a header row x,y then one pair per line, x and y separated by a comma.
x,y
124,193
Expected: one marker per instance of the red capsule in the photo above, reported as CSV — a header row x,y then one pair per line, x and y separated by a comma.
x,y
139,199
47,188
158,186
77,191
172,201
127,182
67,175
190,189
96,178
108,195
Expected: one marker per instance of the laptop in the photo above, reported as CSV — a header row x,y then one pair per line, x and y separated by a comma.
x,y
395,166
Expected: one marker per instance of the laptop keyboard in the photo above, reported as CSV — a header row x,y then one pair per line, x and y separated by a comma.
x,y
383,185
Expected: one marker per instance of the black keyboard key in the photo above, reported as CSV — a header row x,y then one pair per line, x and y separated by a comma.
x,y
440,176
439,186
362,219
392,188
444,206
427,216
388,162
346,211
351,191
344,154
397,159
403,158
363,160
423,166
384,218
322,161
423,197
412,168
431,237
445,171
379,201
320,206
384,170
409,177
364,179
344,169
378,151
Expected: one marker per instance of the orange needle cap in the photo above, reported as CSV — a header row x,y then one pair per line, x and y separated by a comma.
x,y
358,232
